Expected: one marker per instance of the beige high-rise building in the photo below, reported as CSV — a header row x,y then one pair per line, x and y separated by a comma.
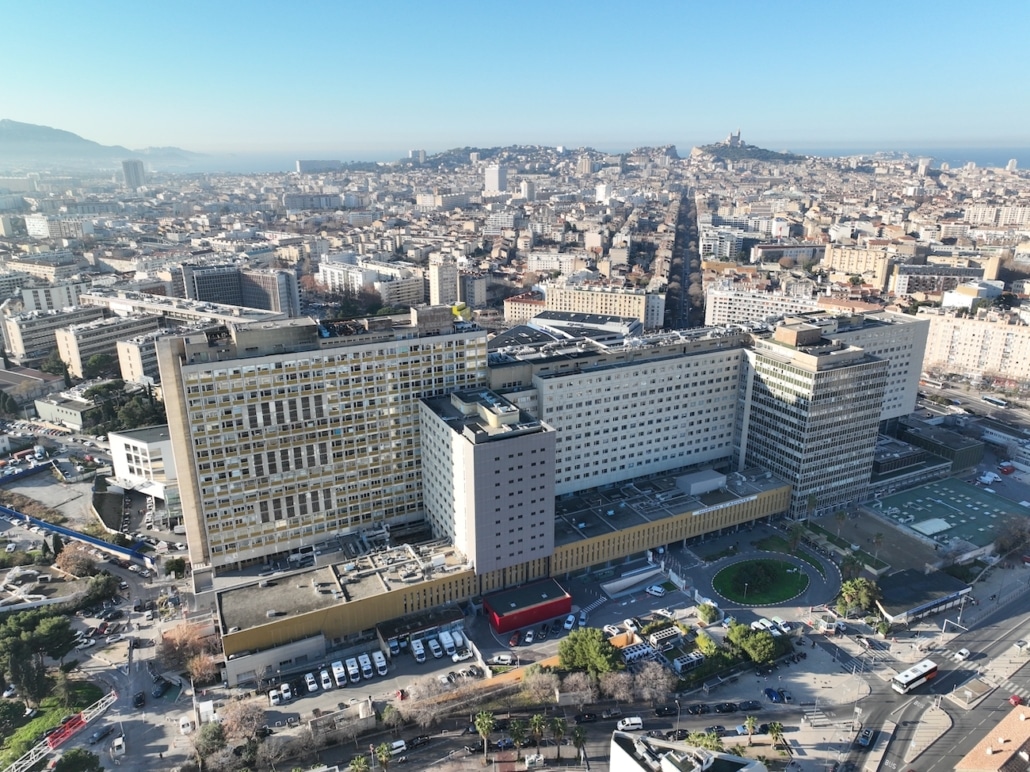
x,y
287,433
648,307
443,282
873,265
992,346
78,343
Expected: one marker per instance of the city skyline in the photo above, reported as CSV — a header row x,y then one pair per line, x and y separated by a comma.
x,y
235,78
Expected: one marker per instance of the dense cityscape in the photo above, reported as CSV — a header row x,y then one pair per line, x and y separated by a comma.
x,y
530,456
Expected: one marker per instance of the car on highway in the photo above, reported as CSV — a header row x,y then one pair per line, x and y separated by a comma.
x,y
866,738
786,696
418,742
962,655
1015,700
582,619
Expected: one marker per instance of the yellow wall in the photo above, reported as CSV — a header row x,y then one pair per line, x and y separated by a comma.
x,y
363,614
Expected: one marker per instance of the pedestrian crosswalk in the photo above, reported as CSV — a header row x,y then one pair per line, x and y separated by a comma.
x,y
596,604
815,717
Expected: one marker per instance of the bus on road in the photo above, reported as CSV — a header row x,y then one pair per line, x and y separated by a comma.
x,y
916,675
993,400
933,383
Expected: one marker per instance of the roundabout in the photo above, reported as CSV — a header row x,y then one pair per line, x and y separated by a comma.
x,y
760,581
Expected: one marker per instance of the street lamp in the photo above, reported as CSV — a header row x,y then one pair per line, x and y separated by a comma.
x,y
745,590
677,715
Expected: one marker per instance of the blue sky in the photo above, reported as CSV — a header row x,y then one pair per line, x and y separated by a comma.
x,y
358,79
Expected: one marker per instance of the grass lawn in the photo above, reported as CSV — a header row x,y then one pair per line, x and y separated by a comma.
x,y
869,560
779,544
51,711
785,583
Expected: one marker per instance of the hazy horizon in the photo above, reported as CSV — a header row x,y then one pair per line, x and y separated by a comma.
x,y
266,78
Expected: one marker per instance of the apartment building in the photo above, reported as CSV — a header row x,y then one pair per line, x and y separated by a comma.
x,y
269,290
53,297
733,306
76,343
931,279
521,308
44,226
142,461
286,432
173,310
443,282
874,265
648,307
31,336
472,289
991,345
488,478
809,412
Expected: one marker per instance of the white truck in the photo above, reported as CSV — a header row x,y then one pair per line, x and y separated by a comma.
x,y
379,660
366,667
447,641
353,671
418,651
340,674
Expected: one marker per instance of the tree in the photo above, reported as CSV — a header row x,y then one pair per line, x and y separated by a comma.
x,y
358,764
422,707
587,648
776,733
53,364
750,724
537,727
795,536
539,686
708,740
175,567
706,644
579,740
9,405
653,682
707,613
209,739
841,516
58,544
617,686
583,685
62,688
78,760
851,566
760,647
241,719
76,562
392,717
383,755
518,731
484,726
859,593
559,726
202,668
179,644
97,365
12,713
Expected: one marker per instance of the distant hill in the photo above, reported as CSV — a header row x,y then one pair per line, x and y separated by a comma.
x,y
741,151
30,146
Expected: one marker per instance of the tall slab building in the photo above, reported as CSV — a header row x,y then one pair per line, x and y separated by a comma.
x,y
287,432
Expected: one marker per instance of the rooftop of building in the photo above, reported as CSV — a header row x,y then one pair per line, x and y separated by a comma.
x,y
592,513
146,434
657,755
1005,746
294,592
952,512
525,596
910,589
940,434
114,321
481,415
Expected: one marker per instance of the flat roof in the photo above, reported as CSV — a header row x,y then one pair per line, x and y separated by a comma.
x,y
525,596
145,434
908,590
600,511
973,515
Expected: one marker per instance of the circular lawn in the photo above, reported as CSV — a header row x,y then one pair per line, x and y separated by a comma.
x,y
760,582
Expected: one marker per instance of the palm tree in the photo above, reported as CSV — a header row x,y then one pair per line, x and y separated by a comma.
x,y
795,536
358,764
537,727
484,726
383,755
517,732
776,734
579,739
851,566
558,728
841,516
750,724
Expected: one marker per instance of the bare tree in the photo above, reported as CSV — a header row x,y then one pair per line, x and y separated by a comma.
x,y
540,687
653,682
582,685
421,706
202,668
76,562
617,686
242,718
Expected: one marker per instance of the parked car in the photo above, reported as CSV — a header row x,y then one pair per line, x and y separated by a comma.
x,y
718,730
570,622
417,742
287,692
515,639
726,707
866,738
772,695
698,709
529,638
311,683
585,718
666,710
160,688
100,734
631,625
749,705
85,643
10,691
611,630
139,699
786,696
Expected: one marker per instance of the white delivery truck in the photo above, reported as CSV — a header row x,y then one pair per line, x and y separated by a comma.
x,y
447,642
340,674
379,660
366,666
353,671
418,651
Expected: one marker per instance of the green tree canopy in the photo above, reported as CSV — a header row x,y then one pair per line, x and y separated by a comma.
x,y
78,760
587,648
707,613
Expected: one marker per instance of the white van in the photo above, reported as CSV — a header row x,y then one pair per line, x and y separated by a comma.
x,y
353,671
418,651
366,667
398,747
459,642
380,662
435,648
340,674
447,642
631,724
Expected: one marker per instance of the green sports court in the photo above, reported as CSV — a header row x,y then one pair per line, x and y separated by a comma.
x,y
948,509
